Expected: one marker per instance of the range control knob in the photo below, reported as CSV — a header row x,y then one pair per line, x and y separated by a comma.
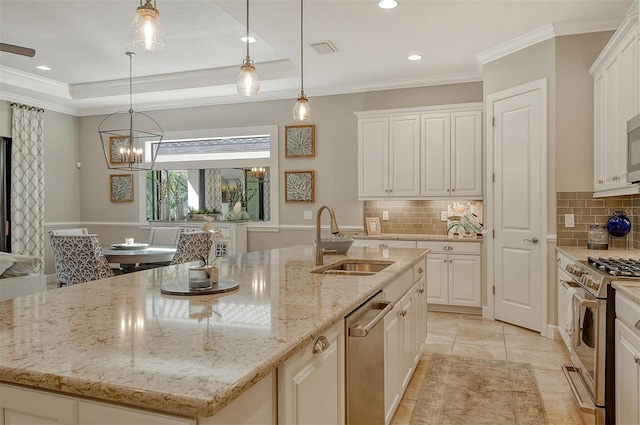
x,y
574,270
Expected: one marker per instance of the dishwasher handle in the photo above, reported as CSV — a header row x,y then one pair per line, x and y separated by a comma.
x,y
360,331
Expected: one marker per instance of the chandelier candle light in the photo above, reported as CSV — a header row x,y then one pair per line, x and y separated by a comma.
x,y
302,111
248,83
123,142
147,31
258,173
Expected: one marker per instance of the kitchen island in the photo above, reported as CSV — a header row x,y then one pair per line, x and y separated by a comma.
x,y
120,340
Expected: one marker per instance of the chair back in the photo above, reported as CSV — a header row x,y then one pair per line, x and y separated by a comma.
x,y
192,246
78,258
164,236
70,232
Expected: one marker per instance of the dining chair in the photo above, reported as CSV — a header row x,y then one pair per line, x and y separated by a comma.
x,y
70,232
192,246
78,258
164,236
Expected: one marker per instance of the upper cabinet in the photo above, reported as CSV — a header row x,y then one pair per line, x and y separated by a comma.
x,y
616,78
420,153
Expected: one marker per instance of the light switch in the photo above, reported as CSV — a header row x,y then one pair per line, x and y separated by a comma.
x,y
443,216
385,215
569,220
308,215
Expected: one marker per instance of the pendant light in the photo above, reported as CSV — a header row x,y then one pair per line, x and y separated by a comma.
x,y
126,134
147,31
302,111
248,83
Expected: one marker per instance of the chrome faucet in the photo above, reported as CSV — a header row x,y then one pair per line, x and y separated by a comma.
x,y
334,230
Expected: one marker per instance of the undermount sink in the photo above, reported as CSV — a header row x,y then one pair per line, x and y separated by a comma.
x,y
354,267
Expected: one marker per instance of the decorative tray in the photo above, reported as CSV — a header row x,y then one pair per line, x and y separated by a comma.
x,y
130,246
182,288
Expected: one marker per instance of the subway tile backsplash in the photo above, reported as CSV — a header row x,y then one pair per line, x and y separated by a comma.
x,y
413,217
588,211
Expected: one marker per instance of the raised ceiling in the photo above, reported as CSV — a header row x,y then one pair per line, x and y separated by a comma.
x,y
84,41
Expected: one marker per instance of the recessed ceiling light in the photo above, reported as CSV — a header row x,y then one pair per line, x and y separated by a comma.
x,y
251,39
414,57
43,68
387,4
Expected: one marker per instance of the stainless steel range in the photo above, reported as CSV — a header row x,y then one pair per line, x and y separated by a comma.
x,y
591,373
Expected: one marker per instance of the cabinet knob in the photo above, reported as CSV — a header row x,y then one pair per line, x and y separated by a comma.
x,y
383,245
453,190
421,290
600,182
637,325
636,359
321,344
447,248
420,271
448,190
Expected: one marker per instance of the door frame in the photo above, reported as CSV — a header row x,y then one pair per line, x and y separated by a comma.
x,y
488,310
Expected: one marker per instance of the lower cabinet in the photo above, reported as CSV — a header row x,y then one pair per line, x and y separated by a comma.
x,y
627,365
384,243
311,384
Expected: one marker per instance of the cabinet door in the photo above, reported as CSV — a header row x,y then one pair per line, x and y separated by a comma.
x,y
311,385
409,327
611,125
373,157
628,98
627,375
404,156
437,279
598,133
564,282
464,280
436,155
24,406
393,357
93,413
466,153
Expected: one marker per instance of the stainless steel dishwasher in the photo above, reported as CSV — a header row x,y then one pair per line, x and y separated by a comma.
x,y
365,362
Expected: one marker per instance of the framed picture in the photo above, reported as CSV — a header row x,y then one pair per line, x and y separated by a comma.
x,y
115,143
299,186
373,226
299,141
121,188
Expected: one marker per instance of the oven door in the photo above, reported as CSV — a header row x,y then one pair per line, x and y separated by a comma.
x,y
588,342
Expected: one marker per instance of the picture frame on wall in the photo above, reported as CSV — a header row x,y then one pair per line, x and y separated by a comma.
x,y
299,141
115,143
299,186
373,226
121,187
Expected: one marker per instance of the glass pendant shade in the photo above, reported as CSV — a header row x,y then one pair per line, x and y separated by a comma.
x,y
302,110
248,83
147,31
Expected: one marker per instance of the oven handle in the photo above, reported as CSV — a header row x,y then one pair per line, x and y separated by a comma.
x,y
582,302
584,407
568,284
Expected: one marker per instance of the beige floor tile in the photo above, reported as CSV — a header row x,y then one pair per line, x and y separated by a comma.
x,y
551,381
526,342
561,409
538,359
479,337
413,389
508,328
479,351
403,413
439,347
441,333
478,323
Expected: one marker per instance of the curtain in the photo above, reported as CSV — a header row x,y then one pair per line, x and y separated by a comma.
x,y
5,187
27,182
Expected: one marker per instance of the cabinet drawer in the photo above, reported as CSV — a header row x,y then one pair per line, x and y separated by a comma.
x,y
448,247
383,243
419,270
628,312
398,287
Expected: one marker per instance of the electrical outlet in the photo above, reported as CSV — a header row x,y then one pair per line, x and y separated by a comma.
x,y
385,215
443,216
569,220
308,215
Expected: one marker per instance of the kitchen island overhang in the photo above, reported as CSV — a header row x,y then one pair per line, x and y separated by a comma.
x,y
120,340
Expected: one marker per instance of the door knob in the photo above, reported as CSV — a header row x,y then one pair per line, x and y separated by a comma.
x,y
532,240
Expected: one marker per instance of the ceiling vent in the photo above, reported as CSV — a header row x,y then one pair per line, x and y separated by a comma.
x,y
323,47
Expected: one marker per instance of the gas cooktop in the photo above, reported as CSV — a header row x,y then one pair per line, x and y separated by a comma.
x,y
616,267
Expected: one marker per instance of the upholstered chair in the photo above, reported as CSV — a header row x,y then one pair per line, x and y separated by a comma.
x,y
78,258
164,236
192,246
70,232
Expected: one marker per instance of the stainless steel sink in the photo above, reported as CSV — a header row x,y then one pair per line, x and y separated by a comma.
x,y
354,267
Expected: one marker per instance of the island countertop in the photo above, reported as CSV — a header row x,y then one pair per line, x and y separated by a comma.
x,y
121,340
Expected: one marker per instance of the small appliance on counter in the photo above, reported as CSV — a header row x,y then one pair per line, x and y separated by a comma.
x,y
598,237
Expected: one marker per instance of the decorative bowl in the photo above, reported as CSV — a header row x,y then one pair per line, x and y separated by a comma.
x,y
336,245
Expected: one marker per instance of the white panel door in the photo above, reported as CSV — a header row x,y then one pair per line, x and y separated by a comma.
x,y
404,156
518,135
466,153
437,279
436,155
464,280
373,144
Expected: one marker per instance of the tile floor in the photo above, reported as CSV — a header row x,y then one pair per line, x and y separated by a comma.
x,y
469,335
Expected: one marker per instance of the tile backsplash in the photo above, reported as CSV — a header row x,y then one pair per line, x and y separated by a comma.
x,y
588,211
413,217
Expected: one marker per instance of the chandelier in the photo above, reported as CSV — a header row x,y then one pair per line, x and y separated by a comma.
x,y
247,82
302,110
258,173
125,135
147,31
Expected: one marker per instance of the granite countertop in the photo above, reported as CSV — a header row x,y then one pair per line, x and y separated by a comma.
x,y
410,237
121,340
630,289
581,254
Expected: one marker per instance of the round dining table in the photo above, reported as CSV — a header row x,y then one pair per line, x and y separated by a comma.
x,y
129,258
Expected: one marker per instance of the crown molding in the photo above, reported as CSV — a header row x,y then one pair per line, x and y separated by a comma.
x,y
46,105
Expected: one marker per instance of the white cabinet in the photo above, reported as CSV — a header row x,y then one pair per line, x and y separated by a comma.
x,y
627,364
415,153
616,76
389,156
453,273
451,154
384,243
311,384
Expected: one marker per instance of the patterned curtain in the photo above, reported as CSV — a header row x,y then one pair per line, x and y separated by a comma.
x,y
213,189
27,182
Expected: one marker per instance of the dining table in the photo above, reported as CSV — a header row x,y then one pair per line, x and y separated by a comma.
x,y
129,257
